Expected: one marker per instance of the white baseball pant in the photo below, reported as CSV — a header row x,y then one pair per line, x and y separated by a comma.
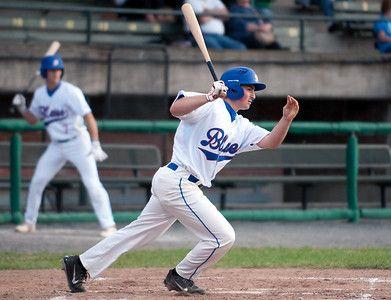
x,y
173,198
78,152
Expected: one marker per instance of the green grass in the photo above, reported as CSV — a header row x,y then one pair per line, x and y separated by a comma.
x,y
374,258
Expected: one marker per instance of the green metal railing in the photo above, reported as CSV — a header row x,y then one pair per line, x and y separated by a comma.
x,y
351,129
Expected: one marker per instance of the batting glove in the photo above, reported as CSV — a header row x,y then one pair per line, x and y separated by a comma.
x,y
20,102
97,152
218,90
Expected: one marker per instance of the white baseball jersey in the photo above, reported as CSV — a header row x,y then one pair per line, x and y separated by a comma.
x,y
61,110
210,136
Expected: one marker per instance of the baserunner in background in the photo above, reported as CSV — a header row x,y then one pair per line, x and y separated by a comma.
x,y
63,109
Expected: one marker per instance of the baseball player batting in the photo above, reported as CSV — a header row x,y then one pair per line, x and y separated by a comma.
x,y
209,135
63,109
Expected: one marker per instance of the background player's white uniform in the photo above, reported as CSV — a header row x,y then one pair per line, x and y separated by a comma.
x,y
62,112
206,140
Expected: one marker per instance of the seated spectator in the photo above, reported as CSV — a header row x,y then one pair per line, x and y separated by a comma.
x,y
212,27
263,6
382,28
253,32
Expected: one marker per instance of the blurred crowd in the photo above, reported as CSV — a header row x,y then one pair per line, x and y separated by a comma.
x,y
220,31
253,32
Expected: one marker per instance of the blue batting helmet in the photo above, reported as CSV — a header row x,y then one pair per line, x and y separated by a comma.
x,y
234,78
51,62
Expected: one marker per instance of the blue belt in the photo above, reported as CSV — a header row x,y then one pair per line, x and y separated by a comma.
x,y
67,140
174,166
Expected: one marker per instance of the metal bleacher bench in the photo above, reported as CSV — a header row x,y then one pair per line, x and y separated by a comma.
x,y
126,165
73,29
308,164
35,24
366,11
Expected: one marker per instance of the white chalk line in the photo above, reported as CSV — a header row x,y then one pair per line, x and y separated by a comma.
x,y
283,292
370,280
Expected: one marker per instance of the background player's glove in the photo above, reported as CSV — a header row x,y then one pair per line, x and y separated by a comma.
x,y
218,90
20,102
97,152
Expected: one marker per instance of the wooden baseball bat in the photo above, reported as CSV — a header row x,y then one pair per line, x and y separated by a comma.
x,y
195,29
53,48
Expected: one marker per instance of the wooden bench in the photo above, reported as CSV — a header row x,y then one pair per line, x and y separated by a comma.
x,y
126,165
308,164
351,11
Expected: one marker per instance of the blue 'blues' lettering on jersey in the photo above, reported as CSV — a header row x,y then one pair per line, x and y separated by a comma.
x,y
213,156
50,116
216,140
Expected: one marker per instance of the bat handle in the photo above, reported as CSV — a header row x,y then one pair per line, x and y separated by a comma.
x,y
212,70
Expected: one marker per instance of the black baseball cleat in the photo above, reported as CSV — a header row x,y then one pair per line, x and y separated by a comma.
x,y
174,282
75,272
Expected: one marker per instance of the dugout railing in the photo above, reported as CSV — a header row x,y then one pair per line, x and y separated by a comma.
x,y
83,27
349,129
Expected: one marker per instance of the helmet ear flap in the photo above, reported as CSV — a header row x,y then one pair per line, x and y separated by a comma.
x,y
43,73
235,91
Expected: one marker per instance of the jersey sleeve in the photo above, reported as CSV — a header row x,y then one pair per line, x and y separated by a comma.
x,y
196,114
252,135
81,106
34,107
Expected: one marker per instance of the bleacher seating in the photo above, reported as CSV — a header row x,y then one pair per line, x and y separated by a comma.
x,y
74,26
77,30
352,11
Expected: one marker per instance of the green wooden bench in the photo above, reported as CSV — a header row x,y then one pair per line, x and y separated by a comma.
x,y
307,164
127,165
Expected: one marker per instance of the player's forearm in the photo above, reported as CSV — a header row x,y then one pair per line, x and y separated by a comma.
x,y
277,135
92,126
186,105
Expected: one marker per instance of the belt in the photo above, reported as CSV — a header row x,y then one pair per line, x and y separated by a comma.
x,y
65,141
174,166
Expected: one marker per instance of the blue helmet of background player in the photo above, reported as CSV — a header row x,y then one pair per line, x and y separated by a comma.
x,y
234,78
51,62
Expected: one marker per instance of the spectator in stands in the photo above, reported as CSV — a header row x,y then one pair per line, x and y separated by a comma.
x,y
212,27
254,32
263,6
382,28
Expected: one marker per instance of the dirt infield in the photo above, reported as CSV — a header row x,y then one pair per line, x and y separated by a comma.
x,y
219,283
